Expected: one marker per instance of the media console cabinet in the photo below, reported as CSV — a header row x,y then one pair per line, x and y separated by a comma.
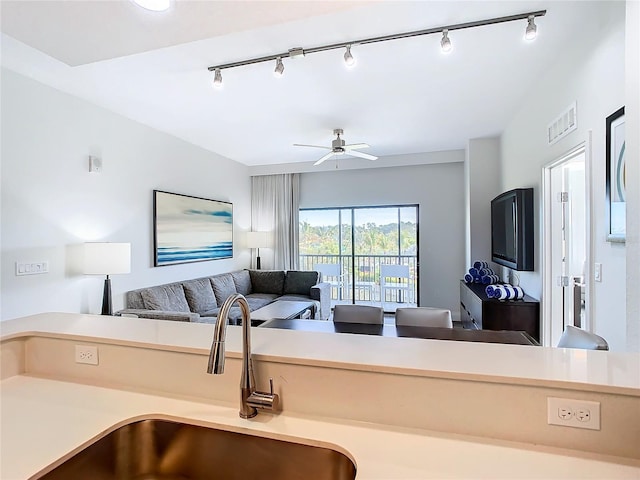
x,y
490,314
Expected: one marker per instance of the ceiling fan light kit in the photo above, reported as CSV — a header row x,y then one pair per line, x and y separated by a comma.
x,y
339,147
349,59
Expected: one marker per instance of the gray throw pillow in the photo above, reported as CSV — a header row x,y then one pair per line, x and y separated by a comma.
x,y
300,282
165,297
267,281
223,287
199,294
242,281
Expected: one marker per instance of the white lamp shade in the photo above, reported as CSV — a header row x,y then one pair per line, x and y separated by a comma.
x,y
102,258
257,239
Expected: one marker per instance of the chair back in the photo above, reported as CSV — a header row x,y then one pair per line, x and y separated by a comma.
x,y
358,314
424,317
574,337
395,271
328,270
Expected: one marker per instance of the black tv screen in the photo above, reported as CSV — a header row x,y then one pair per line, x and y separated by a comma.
x,y
512,229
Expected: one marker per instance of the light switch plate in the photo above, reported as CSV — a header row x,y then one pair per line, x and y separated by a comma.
x,y
597,272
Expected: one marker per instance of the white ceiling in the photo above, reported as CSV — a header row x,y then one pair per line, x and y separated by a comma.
x,y
402,97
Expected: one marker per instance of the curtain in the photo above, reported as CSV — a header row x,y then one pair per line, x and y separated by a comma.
x,y
275,201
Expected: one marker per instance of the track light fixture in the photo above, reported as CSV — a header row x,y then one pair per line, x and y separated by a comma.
x,y
349,60
445,42
217,78
279,70
532,29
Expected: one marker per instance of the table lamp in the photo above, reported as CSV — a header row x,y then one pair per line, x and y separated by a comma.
x,y
104,258
257,240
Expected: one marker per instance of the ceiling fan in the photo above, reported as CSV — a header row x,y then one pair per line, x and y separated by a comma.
x,y
338,147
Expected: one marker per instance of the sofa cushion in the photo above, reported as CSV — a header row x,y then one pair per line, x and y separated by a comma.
x,y
268,297
299,282
242,279
223,287
257,302
165,297
199,295
267,281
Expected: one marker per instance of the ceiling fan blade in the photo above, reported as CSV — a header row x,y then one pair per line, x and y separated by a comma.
x,y
356,146
355,153
314,146
326,157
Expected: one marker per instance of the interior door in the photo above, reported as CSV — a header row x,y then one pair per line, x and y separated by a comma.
x,y
566,235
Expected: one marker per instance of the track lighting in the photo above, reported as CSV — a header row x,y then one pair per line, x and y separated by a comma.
x,y
349,60
279,70
445,43
217,79
532,29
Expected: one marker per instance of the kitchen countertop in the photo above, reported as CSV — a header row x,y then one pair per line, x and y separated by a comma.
x,y
43,420
571,368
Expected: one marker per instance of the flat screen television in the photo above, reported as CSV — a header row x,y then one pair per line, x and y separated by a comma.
x,y
512,229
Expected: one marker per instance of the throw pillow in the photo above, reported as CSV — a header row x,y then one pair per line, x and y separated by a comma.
x,y
242,281
300,282
223,287
199,294
166,297
267,281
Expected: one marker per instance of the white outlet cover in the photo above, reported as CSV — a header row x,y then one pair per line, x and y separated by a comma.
x,y
86,354
582,413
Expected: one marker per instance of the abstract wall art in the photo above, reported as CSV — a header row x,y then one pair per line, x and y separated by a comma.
x,y
190,229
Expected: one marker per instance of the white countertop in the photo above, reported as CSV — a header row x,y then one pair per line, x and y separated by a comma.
x,y
573,368
44,420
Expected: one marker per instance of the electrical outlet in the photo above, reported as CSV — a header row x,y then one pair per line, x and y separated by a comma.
x,y
573,413
87,354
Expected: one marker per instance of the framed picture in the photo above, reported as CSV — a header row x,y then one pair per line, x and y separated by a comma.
x,y
616,177
190,229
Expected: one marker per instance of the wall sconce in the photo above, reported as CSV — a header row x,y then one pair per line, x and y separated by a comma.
x,y
102,258
257,240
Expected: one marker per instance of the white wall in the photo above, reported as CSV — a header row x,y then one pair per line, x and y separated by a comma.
x,y
593,75
438,189
482,184
51,204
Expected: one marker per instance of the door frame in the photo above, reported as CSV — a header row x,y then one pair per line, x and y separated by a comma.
x,y
547,282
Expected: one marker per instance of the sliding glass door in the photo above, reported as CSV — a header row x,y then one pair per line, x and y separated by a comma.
x,y
351,247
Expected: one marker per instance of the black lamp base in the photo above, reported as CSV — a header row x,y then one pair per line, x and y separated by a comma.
x,y
257,263
107,307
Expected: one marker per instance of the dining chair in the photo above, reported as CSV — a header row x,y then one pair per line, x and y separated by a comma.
x,y
424,317
358,314
574,337
395,277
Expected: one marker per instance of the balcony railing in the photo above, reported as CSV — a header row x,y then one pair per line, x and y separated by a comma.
x,y
360,280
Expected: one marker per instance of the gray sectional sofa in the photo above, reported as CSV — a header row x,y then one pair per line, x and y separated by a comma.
x,y
199,300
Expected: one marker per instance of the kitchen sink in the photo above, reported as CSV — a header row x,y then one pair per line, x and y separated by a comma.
x,y
167,450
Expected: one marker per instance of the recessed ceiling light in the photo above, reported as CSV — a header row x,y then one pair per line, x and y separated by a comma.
x,y
154,5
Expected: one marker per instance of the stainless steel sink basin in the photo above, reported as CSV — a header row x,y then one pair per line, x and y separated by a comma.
x,y
167,450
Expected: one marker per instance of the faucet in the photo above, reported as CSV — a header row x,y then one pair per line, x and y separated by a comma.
x,y
250,399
